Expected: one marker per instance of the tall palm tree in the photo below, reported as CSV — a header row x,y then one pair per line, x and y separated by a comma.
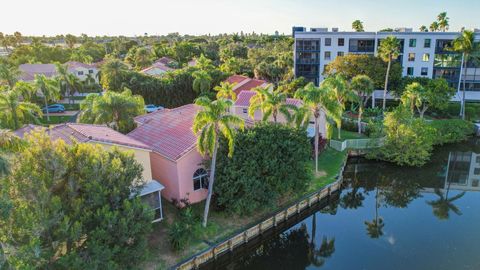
x,y
112,73
209,124
443,21
423,28
49,89
375,227
15,112
202,82
363,87
317,99
26,90
357,25
270,103
443,205
225,90
465,44
388,50
342,94
434,27
69,83
9,74
411,96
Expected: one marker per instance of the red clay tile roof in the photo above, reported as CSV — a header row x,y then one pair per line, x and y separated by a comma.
x,y
243,83
243,99
168,132
236,78
164,60
70,132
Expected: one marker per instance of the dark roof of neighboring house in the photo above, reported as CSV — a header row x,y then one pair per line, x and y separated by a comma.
x,y
70,132
243,99
168,132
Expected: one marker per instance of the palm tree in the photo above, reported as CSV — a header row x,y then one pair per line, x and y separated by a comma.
x,y
271,103
116,110
363,87
423,28
143,58
388,50
69,83
202,82
375,227
443,21
342,94
434,27
112,73
9,74
26,90
9,142
443,205
411,96
209,124
316,100
15,112
49,89
470,51
357,25
225,90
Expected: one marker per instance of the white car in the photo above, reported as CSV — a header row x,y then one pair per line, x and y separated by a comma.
x,y
152,108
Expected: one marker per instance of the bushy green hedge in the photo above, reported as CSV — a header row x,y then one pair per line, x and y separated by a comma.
x,y
172,90
451,130
472,111
269,162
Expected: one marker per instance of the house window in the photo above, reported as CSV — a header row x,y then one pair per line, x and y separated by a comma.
x,y
426,57
424,71
153,201
476,171
477,159
328,41
412,43
328,55
90,71
411,57
80,73
410,71
200,179
244,110
341,42
340,53
427,42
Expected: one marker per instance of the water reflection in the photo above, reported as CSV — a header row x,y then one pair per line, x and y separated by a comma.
x,y
386,217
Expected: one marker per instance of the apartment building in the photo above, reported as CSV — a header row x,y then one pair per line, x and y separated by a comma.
x,y
423,54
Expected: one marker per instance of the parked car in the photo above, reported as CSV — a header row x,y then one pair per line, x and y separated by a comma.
x,y
152,108
55,108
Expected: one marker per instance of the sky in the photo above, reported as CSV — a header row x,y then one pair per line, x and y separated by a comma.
x,y
157,17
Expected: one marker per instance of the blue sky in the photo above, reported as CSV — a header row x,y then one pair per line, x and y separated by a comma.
x,y
135,17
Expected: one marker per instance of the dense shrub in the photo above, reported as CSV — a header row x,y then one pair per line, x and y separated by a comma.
x,y
269,161
472,111
451,130
185,227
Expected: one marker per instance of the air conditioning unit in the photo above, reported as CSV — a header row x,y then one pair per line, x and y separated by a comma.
x,y
334,29
322,29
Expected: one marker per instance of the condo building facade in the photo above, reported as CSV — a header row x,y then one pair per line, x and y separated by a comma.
x,y
422,54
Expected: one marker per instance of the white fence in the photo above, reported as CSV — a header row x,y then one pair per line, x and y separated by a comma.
x,y
357,144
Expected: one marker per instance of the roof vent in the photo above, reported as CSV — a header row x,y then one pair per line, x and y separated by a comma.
x,y
319,29
334,29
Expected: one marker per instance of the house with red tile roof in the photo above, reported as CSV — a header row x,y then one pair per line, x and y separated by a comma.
x,y
244,83
81,70
240,108
159,67
107,138
175,160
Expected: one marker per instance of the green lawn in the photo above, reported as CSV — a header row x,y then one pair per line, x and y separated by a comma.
x,y
55,119
346,135
329,164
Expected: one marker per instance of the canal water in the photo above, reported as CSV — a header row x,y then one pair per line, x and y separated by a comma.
x,y
386,217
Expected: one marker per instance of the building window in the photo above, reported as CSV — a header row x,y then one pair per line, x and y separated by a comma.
x,y
476,171
244,110
90,71
427,43
426,57
411,57
424,71
80,73
340,53
477,159
341,42
412,43
328,42
328,55
200,179
410,71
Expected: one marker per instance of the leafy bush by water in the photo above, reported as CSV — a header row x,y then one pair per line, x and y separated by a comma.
x,y
451,130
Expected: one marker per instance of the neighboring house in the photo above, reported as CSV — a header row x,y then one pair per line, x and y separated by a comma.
x,y
175,160
107,137
422,54
240,108
159,67
192,63
28,71
244,83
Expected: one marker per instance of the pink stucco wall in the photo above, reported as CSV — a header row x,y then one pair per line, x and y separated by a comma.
x,y
177,177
